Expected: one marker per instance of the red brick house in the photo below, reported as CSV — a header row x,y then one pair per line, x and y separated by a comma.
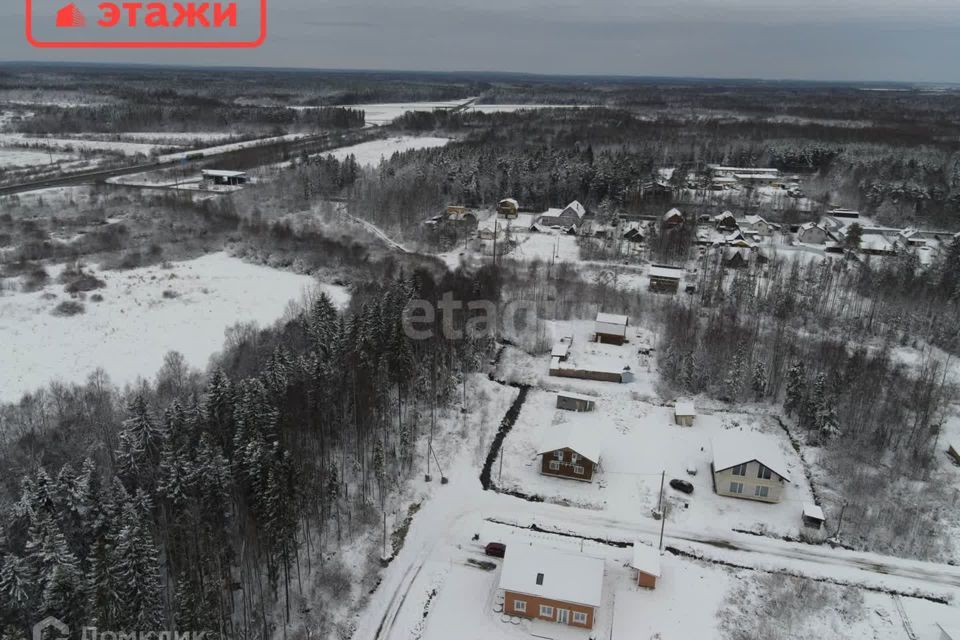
x,y
545,584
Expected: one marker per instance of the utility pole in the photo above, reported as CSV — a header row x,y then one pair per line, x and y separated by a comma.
x,y
500,473
840,520
663,525
663,476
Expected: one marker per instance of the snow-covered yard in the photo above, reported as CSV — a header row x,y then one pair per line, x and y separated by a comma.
x,y
638,441
144,314
16,157
75,144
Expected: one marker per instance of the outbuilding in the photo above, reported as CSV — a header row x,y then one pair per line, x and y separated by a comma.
x,y
664,279
646,560
508,208
224,178
684,413
611,328
569,401
545,584
813,516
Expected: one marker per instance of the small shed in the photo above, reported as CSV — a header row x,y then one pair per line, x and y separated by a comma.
x,y
813,516
561,349
569,401
684,413
611,328
646,560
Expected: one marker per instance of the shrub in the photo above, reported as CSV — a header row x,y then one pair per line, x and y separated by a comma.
x,y
96,298
36,278
77,280
68,308
170,294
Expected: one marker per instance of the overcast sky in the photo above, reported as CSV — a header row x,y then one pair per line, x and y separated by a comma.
x,y
907,40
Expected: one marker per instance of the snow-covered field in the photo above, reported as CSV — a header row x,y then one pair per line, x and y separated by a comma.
x,y
16,157
371,153
234,146
74,144
638,441
385,113
136,324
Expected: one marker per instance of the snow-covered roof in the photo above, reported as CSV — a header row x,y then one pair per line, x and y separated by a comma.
x,y
684,408
576,208
220,173
673,212
717,167
813,511
950,631
734,448
665,272
612,318
575,437
560,350
576,396
510,201
646,559
876,242
554,575
810,225
723,216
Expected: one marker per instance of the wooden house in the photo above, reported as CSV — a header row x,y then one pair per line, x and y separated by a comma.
x,y
664,279
749,465
671,219
646,561
611,328
569,401
570,451
725,221
684,413
544,584
812,233
570,216
508,208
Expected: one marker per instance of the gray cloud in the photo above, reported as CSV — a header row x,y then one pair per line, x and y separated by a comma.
x,y
813,39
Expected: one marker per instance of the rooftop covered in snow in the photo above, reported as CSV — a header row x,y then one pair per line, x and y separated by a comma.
x,y
547,573
734,448
646,559
684,408
571,435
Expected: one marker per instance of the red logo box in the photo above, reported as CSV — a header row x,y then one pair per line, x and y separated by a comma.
x,y
147,44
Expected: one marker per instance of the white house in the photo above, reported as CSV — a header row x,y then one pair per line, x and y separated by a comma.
x,y
749,465
611,328
812,233
684,413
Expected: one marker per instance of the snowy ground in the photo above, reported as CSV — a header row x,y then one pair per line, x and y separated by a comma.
x,y
385,113
129,332
127,148
17,157
371,153
638,441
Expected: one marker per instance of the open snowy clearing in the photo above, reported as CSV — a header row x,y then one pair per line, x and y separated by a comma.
x,y
75,144
373,152
11,157
145,313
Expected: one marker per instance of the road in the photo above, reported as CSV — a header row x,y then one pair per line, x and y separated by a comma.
x,y
310,143
441,533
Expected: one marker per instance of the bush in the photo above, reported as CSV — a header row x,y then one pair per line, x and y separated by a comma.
x,y
68,308
78,280
96,298
36,278
170,294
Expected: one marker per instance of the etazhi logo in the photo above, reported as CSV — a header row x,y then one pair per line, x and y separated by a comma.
x,y
146,24
61,629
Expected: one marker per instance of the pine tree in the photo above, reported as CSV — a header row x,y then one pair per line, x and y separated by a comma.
x,y
759,381
136,565
796,388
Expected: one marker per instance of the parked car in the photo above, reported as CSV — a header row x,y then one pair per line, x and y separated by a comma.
x,y
495,549
681,485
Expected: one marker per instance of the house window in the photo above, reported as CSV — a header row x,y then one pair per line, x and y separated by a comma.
x,y
763,473
554,465
573,458
762,492
558,454
579,617
736,487
739,470
540,579
520,605
546,611
578,470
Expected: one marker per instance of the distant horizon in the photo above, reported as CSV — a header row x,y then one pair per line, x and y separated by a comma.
x,y
532,75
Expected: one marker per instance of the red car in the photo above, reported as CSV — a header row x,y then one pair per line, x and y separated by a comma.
x,y
495,549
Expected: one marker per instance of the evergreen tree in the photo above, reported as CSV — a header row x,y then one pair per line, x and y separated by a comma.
x,y
796,388
759,381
